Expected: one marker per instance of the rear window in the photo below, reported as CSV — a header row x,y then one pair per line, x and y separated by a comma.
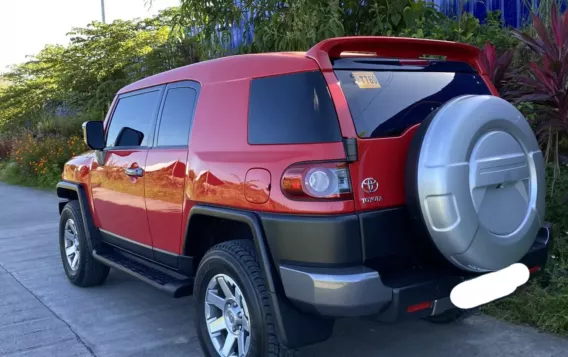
x,y
292,109
399,99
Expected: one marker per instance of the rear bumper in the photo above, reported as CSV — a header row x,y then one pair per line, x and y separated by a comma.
x,y
352,291
361,291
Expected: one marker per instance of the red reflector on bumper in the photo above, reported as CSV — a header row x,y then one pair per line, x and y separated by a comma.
x,y
534,269
422,306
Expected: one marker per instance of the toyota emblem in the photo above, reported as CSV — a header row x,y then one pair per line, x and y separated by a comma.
x,y
369,185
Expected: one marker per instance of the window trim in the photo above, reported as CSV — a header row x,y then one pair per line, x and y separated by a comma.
x,y
152,127
181,84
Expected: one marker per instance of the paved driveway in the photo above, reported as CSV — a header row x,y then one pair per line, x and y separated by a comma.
x,y
41,314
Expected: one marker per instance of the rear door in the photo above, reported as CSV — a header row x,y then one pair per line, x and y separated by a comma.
x,y
118,180
387,100
166,171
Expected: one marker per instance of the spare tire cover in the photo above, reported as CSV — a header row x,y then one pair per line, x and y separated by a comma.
x,y
475,181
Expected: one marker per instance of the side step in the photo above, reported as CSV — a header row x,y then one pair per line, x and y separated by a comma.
x,y
172,283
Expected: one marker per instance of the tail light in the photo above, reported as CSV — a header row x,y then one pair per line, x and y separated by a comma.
x,y
317,181
419,307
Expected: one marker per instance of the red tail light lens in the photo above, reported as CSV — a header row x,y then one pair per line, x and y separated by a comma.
x,y
419,307
317,181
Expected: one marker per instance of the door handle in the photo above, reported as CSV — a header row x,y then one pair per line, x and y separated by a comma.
x,y
137,172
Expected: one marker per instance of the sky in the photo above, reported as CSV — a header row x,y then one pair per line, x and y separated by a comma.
x,y
26,26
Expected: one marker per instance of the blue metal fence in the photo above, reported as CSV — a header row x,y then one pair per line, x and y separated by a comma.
x,y
513,12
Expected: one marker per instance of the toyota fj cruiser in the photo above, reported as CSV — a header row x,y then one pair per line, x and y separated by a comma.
x,y
284,190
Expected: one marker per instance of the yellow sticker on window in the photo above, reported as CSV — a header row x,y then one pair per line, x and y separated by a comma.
x,y
366,80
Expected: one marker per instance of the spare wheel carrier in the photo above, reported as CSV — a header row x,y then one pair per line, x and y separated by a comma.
x,y
475,181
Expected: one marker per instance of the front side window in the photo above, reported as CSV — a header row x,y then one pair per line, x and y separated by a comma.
x,y
131,123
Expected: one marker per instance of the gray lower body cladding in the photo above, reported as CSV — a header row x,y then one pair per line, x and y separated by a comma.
x,y
369,264
383,240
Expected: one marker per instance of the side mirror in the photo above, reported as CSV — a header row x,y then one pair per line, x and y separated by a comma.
x,y
129,137
93,134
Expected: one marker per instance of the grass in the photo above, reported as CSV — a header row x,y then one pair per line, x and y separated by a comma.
x,y
545,308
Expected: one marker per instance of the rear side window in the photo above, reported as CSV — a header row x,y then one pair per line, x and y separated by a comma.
x,y
177,114
292,109
135,112
400,99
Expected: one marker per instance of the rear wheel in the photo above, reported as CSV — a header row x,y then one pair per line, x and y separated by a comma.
x,y
234,315
76,249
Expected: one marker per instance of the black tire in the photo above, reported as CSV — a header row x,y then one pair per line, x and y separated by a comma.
x,y
89,272
449,316
237,259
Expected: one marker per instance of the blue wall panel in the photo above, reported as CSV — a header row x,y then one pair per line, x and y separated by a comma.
x,y
513,12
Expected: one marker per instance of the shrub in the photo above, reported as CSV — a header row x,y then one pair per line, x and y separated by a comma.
x,y
544,83
494,31
5,147
41,159
495,66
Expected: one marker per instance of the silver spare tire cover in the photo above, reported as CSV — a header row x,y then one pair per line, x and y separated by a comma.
x,y
475,181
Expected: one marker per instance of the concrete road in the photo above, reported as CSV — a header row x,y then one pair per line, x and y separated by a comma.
x,y
41,314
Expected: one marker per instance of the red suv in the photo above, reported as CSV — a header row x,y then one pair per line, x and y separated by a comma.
x,y
364,177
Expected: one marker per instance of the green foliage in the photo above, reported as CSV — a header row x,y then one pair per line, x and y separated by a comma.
x,y
38,160
35,156
466,28
288,29
5,147
85,74
494,32
293,25
10,173
3,83
543,83
81,77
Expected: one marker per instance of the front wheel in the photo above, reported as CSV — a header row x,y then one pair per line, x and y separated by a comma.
x,y
76,249
234,314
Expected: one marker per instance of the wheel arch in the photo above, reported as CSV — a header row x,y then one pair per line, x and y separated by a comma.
x,y
247,225
71,191
295,328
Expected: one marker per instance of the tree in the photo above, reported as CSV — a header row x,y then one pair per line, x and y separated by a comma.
x,y
86,74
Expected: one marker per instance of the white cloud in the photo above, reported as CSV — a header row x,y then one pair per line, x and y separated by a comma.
x,y
26,26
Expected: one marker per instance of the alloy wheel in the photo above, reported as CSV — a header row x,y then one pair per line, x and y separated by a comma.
x,y
227,317
72,251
